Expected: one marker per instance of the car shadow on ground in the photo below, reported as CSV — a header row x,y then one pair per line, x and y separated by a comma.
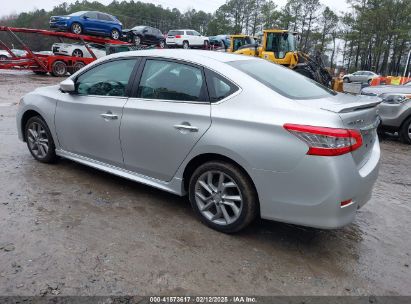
x,y
259,232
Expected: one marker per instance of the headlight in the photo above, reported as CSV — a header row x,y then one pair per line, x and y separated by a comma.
x,y
65,18
395,98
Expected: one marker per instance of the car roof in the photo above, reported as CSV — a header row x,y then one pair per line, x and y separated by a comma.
x,y
195,56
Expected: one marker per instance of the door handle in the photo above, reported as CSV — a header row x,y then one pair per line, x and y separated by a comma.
x,y
186,127
109,116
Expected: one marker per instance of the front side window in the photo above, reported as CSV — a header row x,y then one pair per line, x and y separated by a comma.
x,y
282,80
107,79
104,17
190,33
91,15
219,87
167,80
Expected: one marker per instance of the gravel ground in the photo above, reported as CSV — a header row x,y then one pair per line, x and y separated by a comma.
x,y
70,230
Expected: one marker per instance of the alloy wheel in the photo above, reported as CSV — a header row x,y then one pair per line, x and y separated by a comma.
x,y
77,53
186,45
218,197
76,28
38,140
115,34
137,40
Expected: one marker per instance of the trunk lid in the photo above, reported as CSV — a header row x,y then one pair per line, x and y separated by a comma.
x,y
357,113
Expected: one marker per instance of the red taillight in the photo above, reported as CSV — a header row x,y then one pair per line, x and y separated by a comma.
x,y
326,141
346,203
178,36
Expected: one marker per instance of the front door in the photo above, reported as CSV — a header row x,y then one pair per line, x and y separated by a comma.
x,y
88,121
168,115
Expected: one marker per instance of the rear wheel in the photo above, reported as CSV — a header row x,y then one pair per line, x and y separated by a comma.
x,y
77,66
405,131
77,53
59,68
115,34
3,57
76,28
162,44
137,40
346,80
186,45
206,44
223,197
39,140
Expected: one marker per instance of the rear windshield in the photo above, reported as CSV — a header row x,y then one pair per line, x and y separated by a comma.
x,y
174,33
282,80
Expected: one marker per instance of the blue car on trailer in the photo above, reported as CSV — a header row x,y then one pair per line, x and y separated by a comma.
x,y
88,22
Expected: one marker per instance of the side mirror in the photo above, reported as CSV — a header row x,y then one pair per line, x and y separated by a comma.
x,y
67,86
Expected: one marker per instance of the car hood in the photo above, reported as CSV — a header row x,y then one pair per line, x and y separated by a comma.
x,y
381,89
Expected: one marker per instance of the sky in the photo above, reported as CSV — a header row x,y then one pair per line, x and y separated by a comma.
x,y
18,6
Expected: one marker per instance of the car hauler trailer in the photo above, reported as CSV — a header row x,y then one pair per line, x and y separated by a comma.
x,y
56,65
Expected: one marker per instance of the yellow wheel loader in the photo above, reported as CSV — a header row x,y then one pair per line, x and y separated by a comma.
x,y
279,46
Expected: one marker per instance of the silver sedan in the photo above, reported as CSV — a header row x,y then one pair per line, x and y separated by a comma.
x,y
241,136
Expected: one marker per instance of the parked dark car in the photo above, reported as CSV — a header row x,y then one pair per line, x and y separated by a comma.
x,y
88,22
144,35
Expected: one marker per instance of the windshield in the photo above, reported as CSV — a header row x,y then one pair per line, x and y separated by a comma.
x,y
280,44
282,80
241,41
77,13
139,28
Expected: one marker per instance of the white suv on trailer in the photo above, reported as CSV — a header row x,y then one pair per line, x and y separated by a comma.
x,y
186,39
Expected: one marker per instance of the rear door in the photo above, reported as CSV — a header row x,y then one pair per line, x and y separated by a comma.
x,y
91,22
167,115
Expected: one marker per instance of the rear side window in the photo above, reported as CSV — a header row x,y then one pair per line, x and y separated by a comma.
x,y
282,80
107,79
104,17
219,87
174,33
168,80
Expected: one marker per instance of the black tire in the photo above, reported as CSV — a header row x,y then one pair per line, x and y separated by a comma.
x,y
206,44
137,40
248,194
405,131
162,44
76,28
50,156
59,68
305,73
186,45
77,53
346,80
115,34
3,57
76,66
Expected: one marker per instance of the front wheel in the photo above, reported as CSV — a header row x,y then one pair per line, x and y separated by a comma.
x,y
223,196
115,34
186,45
39,140
76,28
346,80
3,57
77,53
137,40
162,44
405,131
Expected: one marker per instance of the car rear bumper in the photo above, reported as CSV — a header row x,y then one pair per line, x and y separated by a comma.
x,y
312,193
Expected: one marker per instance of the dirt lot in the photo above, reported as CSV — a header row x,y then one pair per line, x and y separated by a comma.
x,y
70,230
